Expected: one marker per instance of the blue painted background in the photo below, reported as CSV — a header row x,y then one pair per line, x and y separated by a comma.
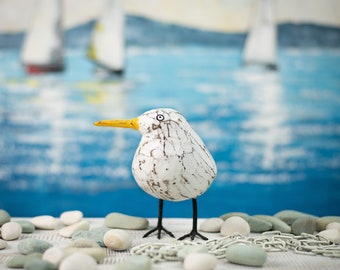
x,y
274,135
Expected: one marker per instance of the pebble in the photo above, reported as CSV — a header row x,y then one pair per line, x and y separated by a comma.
x,y
71,217
332,235
333,225
20,260
54,255
289,216
278,224
183,252
258,225
135,262
122,221
78,260
69,230
321,223
11,231
235,224
27,226
44,222
3,244
117,239
31,245
200,261
4,217
233,214
86,246
38,264
305,224
96,235
246,255
211,225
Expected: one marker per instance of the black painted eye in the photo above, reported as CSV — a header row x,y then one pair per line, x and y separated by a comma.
x,y
160,117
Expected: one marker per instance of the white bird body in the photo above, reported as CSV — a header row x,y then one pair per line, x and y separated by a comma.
x,y
171,161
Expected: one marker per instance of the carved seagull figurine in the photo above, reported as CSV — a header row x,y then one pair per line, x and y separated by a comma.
x,y
171,162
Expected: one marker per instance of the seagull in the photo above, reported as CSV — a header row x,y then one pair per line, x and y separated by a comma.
x,y
171,162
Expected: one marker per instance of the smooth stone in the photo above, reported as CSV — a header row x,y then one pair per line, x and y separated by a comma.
x,y
27,226
38,264
332,235
71,217
96,236
289,216
233,214
54,255
246,255
31,245
117,239
3,244
258,225
183,252
4,217
278,224
122,221
44,222
98,254
304,225
235,224
11,231
333,225
78,260
83,243
322,222
199,261
135,262
20,260
211,225
69,230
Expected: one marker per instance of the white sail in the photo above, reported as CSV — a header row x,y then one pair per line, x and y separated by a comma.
x,y
43,45
260,46
107,46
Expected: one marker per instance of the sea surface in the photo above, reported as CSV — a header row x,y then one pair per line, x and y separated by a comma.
x,y
275,135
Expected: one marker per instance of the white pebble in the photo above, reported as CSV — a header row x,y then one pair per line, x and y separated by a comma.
x,y
211,225
332,235
54,255
71,217
44,222
200,261
333,225
11,231
233,225
78,260
117,239
69,230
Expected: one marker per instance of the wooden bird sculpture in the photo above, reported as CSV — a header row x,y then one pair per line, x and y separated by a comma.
x,y
171,162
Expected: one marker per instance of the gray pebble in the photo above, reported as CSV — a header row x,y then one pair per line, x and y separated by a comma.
x,y
3,244
38,264
246,255
30,245
304,225
211,225
122,221
289,216
95,235
278,224
20,260
4,217
233,214
321,223
258,225
27,226
134,262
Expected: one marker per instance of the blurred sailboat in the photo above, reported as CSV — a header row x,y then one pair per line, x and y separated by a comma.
x,y
43,45
107,44
260,46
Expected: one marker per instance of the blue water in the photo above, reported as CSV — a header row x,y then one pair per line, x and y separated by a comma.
x,y
274,135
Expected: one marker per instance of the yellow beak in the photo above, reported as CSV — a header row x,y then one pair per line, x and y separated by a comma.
x,y
130,123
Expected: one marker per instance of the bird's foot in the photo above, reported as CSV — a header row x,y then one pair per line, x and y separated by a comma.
x,y
159,230
192,235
